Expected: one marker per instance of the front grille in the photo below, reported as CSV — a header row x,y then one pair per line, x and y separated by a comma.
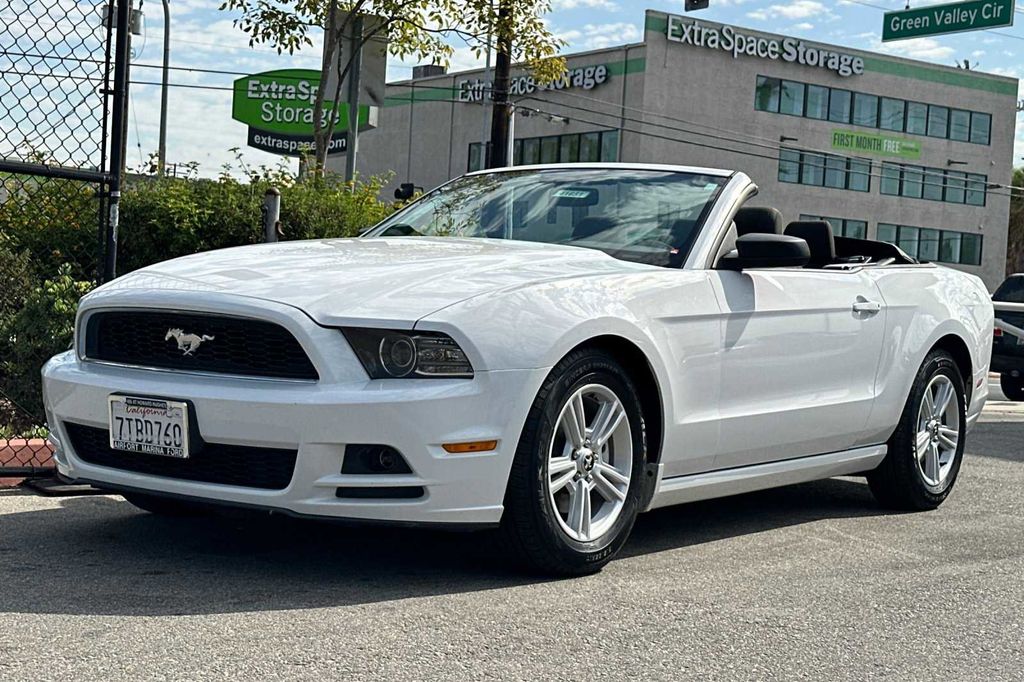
x,y
249,467
227,345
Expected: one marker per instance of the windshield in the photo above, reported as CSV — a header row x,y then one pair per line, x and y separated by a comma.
x,y
1010,291
646,216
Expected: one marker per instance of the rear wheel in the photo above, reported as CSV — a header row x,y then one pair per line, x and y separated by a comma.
x,y
927,448
1013,387
576,481
165,506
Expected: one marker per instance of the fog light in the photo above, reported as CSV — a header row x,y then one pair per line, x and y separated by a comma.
x,y
473,446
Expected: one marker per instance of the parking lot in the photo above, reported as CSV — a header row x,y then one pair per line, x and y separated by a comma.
x,y
812,581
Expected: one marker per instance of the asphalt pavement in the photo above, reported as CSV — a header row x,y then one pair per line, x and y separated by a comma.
x,y
808,582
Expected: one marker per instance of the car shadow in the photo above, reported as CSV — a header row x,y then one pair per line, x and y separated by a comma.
x,y
101,556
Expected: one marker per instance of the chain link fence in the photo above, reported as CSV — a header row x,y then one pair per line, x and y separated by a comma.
x,y
56,80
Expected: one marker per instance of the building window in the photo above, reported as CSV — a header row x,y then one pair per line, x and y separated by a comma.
x,y
839,106
934,184
871,111
766,95
975,195
956,186
981,128
549,149
824,170
938,121
590,147
531,151
892,114
970,249
476,160
927,244
890,183
960,125
886,233
600,145
817,102
570,148
842,227
865,110
917,118
812,169
789,166
610,145
791,100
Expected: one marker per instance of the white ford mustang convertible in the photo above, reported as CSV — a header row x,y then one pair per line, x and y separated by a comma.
x,y
548,350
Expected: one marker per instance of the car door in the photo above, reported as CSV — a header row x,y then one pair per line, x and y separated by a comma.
x,y
800,349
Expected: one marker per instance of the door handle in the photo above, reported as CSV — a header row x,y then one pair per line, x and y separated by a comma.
x,y
863,305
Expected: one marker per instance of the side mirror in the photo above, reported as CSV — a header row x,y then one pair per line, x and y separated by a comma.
x,y
760,250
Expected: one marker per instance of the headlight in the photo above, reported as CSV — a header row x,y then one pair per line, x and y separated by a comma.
x,y
387,354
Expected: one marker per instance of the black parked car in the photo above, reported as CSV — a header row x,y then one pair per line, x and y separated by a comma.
x,y
1008,348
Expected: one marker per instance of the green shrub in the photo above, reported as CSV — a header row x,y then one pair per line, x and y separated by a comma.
x,y
55,221
41,327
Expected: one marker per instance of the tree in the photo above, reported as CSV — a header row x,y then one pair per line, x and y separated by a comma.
x,y
413,28
1015,231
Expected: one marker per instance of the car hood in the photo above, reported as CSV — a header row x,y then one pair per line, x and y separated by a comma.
x,y
381,281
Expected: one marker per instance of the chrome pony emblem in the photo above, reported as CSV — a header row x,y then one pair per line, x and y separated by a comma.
x,y
188,343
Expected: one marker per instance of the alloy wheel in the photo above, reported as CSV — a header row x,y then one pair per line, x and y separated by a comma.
x,y
590,462
938,431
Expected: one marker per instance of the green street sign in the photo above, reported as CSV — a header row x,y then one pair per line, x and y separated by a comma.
x,y
873,143
954,17
282,102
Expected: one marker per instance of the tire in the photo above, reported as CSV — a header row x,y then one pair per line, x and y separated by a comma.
x,y
904,480
545,530
1013,387
165,506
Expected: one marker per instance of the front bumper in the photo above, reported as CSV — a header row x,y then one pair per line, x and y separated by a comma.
x,y
318,420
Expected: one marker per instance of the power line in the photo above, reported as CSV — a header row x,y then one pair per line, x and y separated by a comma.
x,y
990,187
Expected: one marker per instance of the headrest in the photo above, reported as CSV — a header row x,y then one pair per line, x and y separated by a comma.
x,y
591,225
759,219
818,235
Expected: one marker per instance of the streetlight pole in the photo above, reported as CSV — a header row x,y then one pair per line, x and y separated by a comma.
x,y
161,154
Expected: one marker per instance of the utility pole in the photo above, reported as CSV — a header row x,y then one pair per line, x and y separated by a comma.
x,y
161,155
502,66
488,83
352,143
118,136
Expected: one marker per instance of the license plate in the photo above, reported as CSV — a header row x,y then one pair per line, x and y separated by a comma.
x,y
149,426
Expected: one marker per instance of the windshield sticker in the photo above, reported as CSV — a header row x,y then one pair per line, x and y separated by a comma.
x,y
572,193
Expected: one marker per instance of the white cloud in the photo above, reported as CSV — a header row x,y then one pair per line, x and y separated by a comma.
x,y
917,48
802,26
596,36
559,5
800,9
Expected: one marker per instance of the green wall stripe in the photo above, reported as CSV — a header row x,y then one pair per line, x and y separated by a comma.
x,y
620,67
924,73
424,93
658,23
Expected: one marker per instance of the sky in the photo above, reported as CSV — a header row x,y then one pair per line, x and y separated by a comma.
x,y
200,128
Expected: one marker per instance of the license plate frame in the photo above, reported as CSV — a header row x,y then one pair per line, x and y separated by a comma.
x,y
153,426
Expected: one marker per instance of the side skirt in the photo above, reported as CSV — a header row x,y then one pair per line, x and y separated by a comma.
x,y
681,489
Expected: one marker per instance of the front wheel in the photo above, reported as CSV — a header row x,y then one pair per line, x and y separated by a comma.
x,y
1012,387
927,447
576,482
